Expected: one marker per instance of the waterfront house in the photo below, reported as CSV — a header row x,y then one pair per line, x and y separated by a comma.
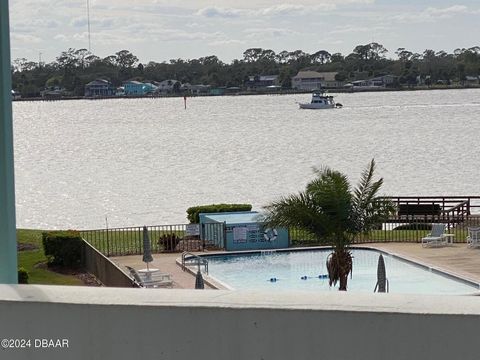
x,y
53,92
472,80
313,80
120,91
217,91
137,88
168,87
376,83
99,87
261,82
199,89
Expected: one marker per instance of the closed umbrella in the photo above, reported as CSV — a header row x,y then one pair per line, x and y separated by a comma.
x,y
147,248
382,282
199,284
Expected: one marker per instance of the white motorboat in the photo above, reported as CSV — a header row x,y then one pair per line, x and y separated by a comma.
x,y
320,101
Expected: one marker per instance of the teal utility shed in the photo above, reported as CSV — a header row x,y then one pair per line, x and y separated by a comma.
x,y
244,230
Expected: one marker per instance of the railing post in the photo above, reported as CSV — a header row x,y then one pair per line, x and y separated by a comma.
x,y
8,241
224,236
108,245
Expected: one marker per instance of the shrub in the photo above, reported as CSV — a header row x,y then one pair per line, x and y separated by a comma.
x,y
414,226
63,248
22,276
194,211
169,242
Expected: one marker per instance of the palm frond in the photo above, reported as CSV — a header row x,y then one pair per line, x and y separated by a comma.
x,y
370,210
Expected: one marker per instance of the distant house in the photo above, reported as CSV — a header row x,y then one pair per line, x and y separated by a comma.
x,y
53,92
313,80
99,87
168,86
196,89
261,81
376,83
137,88
120,91
386,80
472,80
217,91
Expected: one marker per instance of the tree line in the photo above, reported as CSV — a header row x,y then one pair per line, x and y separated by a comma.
x,y
74,68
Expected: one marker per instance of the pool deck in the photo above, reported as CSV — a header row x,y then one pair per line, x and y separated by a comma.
x,y
456,259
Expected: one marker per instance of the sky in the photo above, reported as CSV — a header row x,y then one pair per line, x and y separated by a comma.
x,y
160,30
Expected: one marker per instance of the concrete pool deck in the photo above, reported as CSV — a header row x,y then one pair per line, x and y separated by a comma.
x,y
456,259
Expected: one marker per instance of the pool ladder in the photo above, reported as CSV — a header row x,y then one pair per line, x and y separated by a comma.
x,y
188,257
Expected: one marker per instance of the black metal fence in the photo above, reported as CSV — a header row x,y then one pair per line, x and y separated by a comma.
x,y
163,238
413,220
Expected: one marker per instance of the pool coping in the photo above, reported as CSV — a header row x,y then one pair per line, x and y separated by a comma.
x,y
217,284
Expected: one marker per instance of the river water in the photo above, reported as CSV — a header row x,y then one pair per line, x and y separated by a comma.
x,y
145,161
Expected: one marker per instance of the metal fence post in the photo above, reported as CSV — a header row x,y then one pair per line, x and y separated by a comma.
x,y
8,240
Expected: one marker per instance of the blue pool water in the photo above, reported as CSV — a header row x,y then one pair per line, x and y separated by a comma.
x,y
306,271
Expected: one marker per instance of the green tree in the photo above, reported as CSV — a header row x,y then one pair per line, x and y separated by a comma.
x,y
331,210
252,54
321,56
125,59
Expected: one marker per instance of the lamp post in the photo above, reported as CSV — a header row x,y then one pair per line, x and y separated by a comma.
x,y
8,242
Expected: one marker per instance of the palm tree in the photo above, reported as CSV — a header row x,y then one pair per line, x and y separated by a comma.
x,y
333,212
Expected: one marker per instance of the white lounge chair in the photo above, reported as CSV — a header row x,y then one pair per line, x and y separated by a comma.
x,y
473,238
153,281
436,237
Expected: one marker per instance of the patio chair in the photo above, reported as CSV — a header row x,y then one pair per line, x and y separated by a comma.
x,y
473,238
155,280
436,237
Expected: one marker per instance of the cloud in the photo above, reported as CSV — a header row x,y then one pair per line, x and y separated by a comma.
x,y
273,32
330,42
227,42
432,14
284,9
79,22
214,11
61,37
26,38
257,4
450,11
348,29
80,36
272,8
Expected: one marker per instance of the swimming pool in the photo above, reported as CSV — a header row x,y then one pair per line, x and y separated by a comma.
x,y
306,271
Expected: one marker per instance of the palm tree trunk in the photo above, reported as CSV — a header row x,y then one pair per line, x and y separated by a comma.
x,y
339,266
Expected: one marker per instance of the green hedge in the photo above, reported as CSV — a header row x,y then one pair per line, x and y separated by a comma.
x,y
63,248
194,211
414,226
23,276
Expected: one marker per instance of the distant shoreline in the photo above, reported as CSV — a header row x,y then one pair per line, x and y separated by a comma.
x,y
246,93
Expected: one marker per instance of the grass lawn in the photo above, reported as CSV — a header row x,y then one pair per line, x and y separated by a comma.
x,y
30,259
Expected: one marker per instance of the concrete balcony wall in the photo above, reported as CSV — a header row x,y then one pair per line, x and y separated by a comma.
x,y
119,323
